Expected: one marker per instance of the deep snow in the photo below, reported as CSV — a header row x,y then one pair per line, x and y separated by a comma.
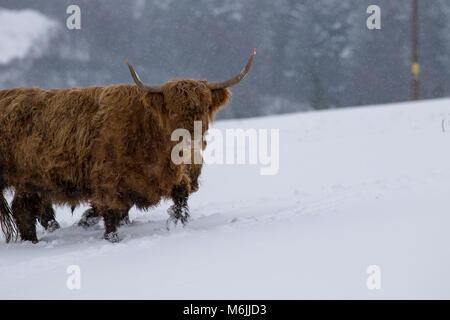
x,y
356,187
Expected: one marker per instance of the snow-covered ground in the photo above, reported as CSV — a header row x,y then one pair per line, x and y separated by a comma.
x,y
356,187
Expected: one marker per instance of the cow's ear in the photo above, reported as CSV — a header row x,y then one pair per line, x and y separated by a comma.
x,y
220,98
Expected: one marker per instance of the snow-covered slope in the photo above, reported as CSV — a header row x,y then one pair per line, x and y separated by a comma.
x,y
357,187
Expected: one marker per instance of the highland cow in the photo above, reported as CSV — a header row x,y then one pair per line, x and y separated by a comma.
x,y
109,146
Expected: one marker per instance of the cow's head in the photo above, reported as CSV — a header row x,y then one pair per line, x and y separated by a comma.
x,y
187,100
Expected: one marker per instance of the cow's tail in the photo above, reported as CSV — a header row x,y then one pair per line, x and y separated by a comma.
x,y
7,222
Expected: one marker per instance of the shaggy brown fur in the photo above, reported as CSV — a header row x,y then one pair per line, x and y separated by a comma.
x,y
109,145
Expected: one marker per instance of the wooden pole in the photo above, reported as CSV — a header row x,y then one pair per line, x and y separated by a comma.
x,y
415,67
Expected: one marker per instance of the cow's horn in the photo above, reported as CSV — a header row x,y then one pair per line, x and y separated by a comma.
x,y
235,80
140,84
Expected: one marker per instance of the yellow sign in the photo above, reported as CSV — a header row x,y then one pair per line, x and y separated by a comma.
x,y
415,68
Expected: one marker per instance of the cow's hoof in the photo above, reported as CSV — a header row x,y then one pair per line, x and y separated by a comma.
x,y
52,226
172,222
86,222
112,237
177,214
32,240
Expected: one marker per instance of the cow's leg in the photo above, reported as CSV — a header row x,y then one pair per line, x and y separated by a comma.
x,y
179,211
125,218
111,218
92,216
26,207
194,172
47,218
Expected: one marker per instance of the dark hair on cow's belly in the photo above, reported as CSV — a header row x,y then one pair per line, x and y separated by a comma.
x,y
68,193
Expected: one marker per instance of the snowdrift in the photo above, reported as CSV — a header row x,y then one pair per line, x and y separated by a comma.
x,y
356,187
